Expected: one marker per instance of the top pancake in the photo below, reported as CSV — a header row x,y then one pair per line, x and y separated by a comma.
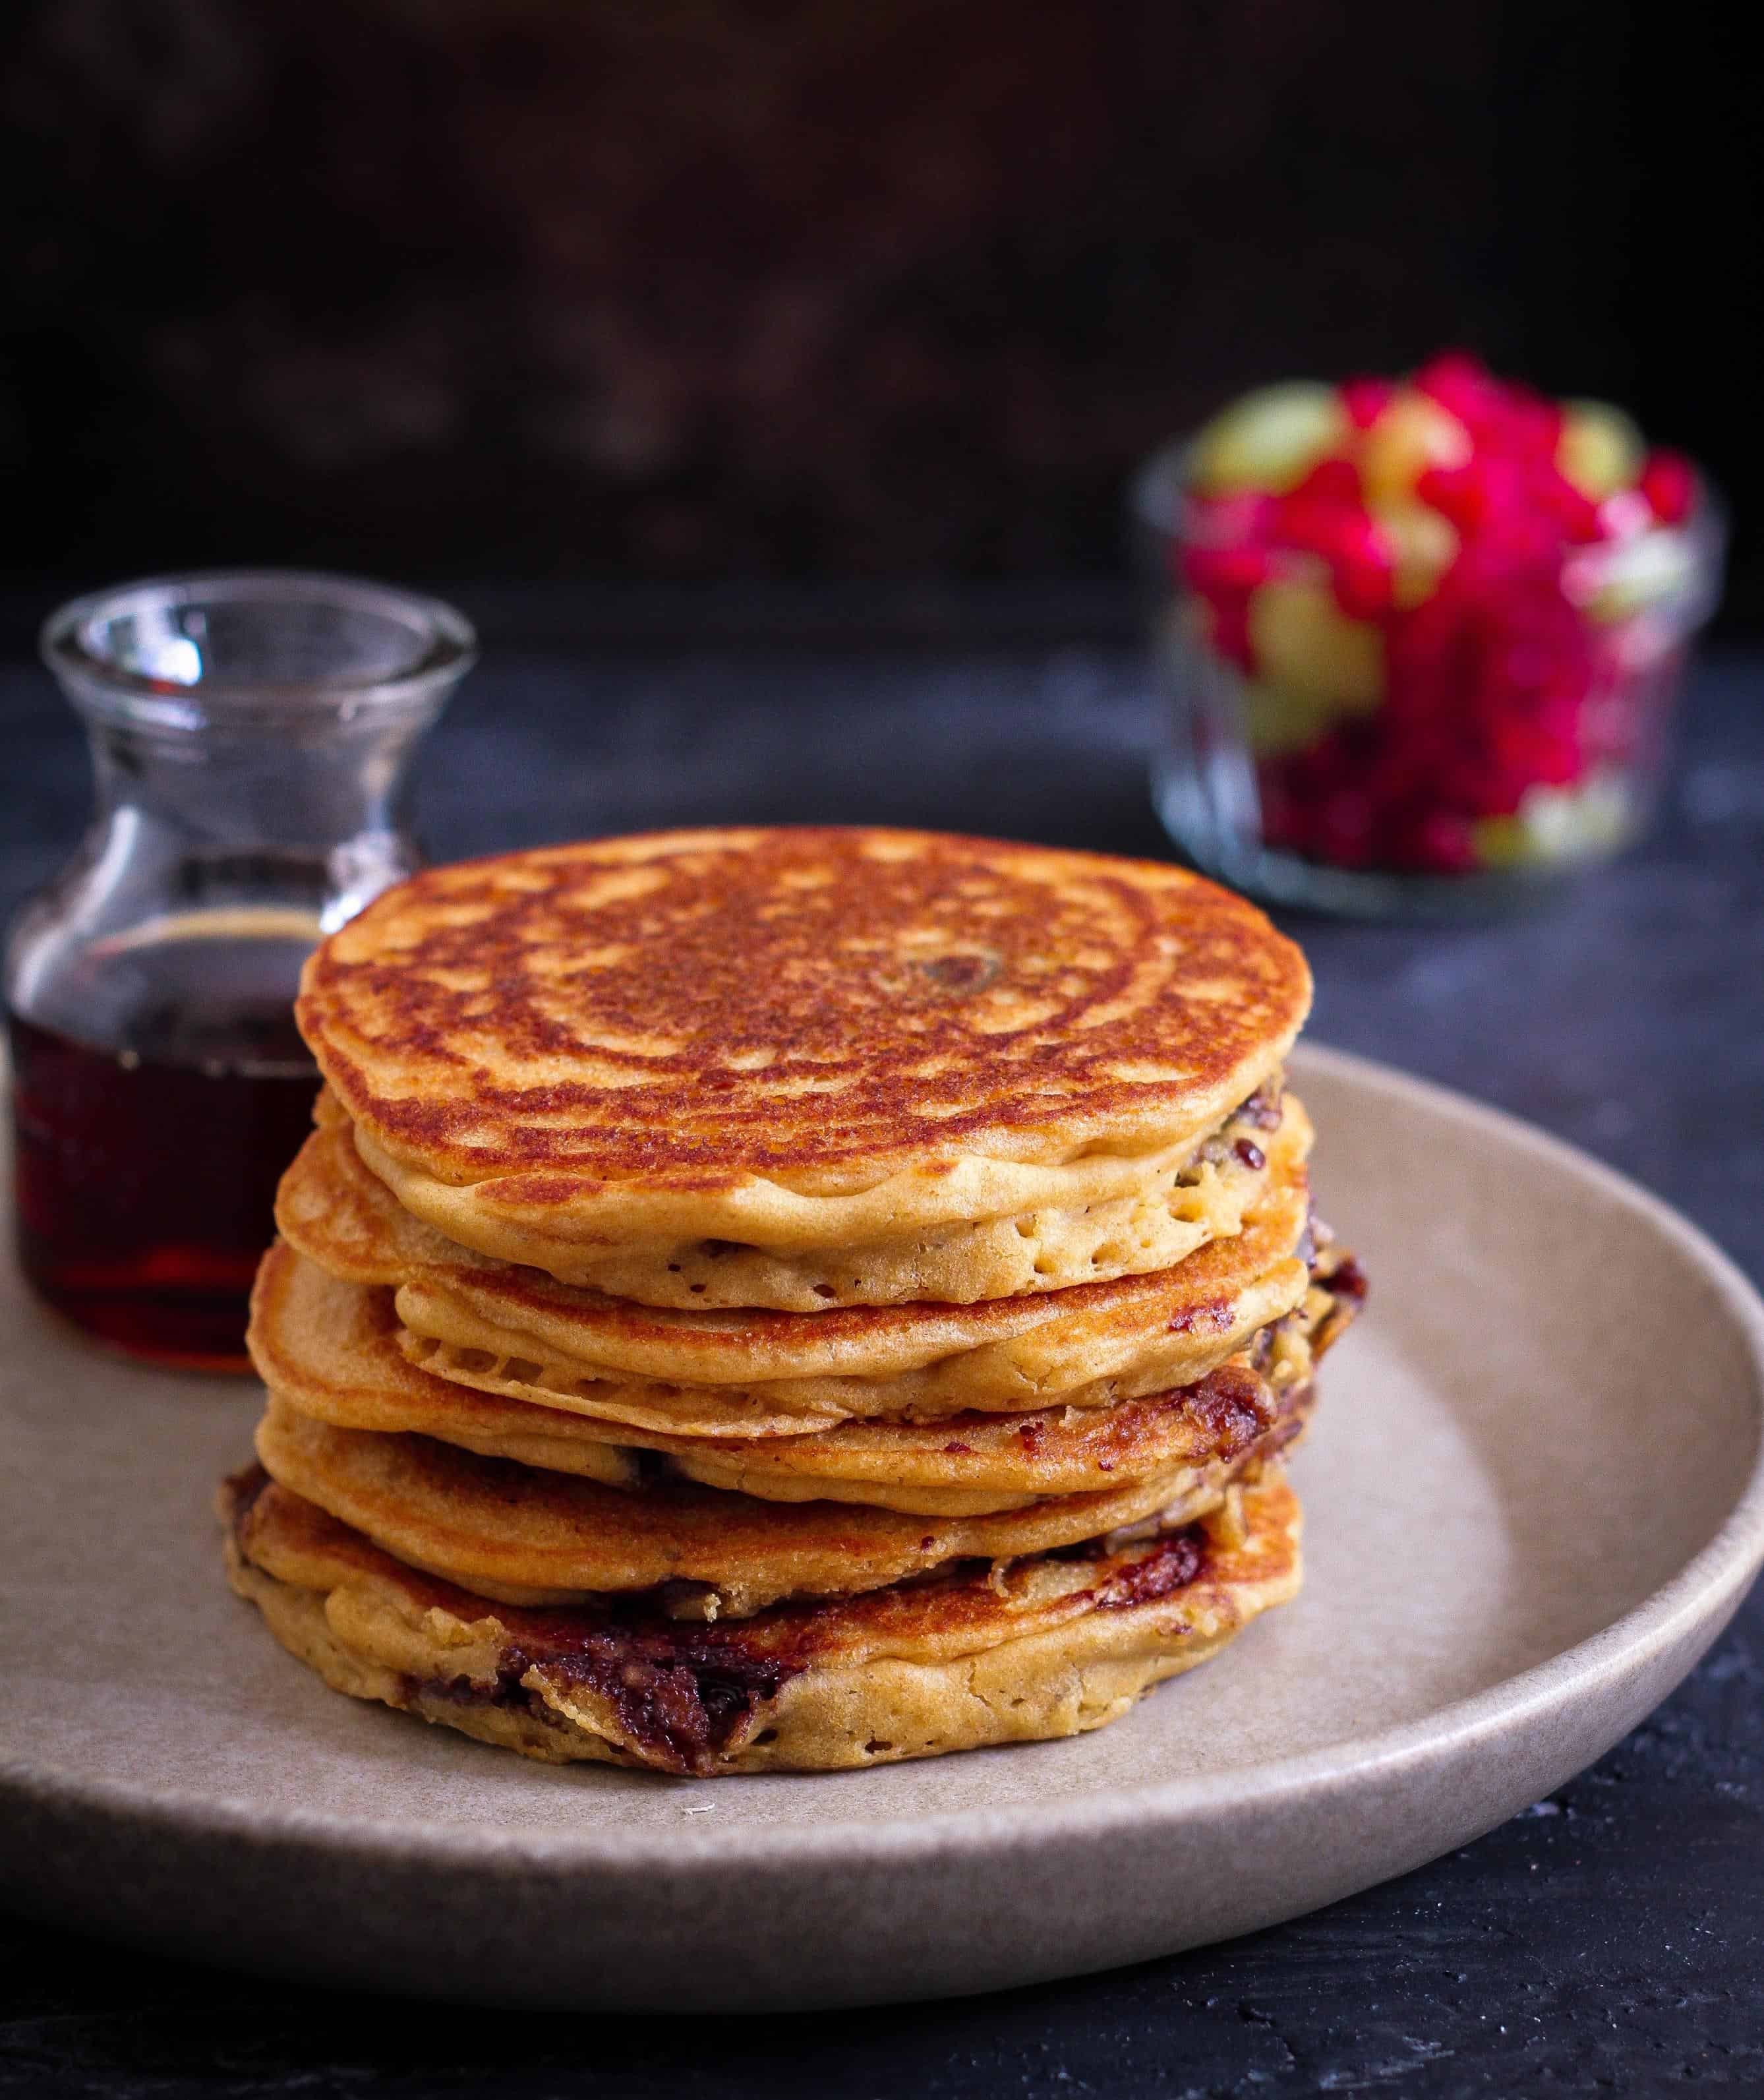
x,y
791,1039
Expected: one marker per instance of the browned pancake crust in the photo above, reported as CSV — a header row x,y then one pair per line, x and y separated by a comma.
x,y
529,1537
819,1007
690,1699
331,1350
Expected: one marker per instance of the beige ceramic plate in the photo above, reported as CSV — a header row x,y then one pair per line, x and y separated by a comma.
x,y
1535,1495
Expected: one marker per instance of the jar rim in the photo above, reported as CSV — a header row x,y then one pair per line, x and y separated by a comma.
x,y
439,645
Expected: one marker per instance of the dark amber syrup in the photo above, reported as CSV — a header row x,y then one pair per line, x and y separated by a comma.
x,y
146,1182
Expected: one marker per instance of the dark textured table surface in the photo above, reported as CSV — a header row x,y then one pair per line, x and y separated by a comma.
x,y
1611,1939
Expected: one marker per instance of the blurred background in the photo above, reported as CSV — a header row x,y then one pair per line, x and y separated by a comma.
x,y
525,290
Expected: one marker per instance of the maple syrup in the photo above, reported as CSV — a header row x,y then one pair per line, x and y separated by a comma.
x,y
146,1181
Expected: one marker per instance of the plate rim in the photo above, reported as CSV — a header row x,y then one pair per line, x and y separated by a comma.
x,y
1701,1593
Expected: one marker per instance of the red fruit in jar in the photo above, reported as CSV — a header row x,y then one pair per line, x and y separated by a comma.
x,y
1524,753
1332,484
1223,580
1366,400
1359,556
1458,493
1669,482
1363,584
1344,829
1530,427
1227,629
1438,841
1574,511
1229,521
1484,496
1463,384
1313,527
1212,570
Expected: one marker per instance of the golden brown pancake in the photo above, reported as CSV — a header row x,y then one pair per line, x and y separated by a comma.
x,y
1187,1197
801,1042
513,1532
331,1350
517,1332
980,1654
1190,1197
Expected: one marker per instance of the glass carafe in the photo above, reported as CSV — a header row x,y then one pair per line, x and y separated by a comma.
x,y
251,738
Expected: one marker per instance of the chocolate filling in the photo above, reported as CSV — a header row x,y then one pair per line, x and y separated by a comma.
x,y
1339,1275
1262,1108
1344,1280
1261,1111
675,1689
1172,1563
683,1692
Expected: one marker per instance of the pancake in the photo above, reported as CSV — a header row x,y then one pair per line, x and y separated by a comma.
x,y
980,1655
527,1536
517,1332
1189,1197
1196,1195
330,1351
803,1043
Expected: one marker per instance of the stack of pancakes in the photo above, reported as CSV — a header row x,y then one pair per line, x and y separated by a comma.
x,y
760,1300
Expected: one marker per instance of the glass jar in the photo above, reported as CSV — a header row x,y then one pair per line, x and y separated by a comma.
x,y
1458,754
251,737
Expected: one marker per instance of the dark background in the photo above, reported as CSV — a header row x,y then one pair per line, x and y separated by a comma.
x,y
592,290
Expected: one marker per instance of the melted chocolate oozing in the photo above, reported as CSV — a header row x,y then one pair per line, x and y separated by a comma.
x,y
1347,1280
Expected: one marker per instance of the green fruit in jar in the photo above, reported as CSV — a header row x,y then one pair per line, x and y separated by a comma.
x,y
1278,722
1303,641
1423,546
1600,450
1557,823
1268,441
1411,434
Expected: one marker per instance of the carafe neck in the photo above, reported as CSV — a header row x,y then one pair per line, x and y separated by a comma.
x,y
314,820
